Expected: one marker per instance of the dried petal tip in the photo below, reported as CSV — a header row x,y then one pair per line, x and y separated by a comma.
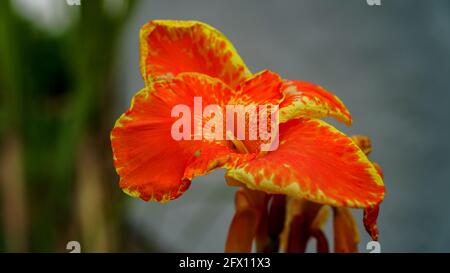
x,y
370,221
363,143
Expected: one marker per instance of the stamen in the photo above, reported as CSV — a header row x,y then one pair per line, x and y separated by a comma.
x,y
240,147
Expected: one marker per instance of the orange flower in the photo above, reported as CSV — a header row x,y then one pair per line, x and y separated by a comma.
x,y
181,60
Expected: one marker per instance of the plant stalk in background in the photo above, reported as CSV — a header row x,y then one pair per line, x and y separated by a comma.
x,y
56,98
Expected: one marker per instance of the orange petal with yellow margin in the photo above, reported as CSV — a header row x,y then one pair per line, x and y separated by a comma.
x,y
170,47
150,163
317,162
304,99
346,236
261,89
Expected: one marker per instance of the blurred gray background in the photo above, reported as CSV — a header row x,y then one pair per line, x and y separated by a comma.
x,y
389,64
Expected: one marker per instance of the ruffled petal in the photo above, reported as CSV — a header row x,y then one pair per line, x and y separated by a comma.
x,y
262,88
260,92
170,47
317,162
304,99
153,165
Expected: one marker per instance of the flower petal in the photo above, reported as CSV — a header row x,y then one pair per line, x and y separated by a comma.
x,y
304,99
370,215
261,89
170,47
317,162
299,222
346,236
151,164
321,218
322,242
251,210
277,214
370,221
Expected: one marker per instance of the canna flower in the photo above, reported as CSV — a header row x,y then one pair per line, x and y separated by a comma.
x,y
314,164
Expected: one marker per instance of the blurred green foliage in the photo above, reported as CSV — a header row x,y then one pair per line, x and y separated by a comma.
x,y
56,94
